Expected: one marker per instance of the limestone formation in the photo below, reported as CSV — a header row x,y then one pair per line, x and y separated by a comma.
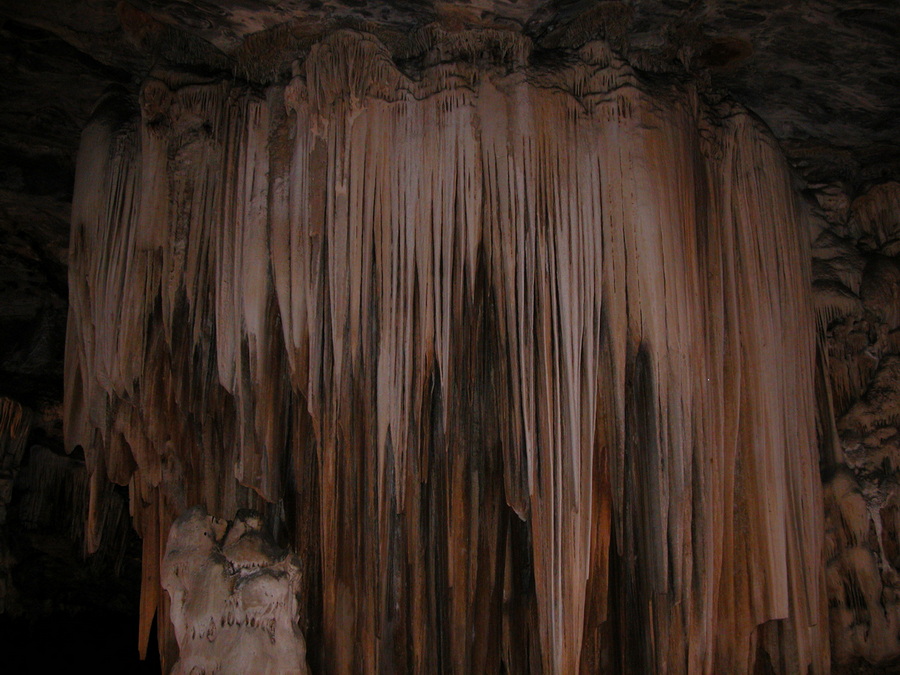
x,y
478,303
521,352
857,282
233,598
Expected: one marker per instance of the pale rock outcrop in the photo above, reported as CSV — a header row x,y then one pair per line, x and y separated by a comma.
x,y
233,598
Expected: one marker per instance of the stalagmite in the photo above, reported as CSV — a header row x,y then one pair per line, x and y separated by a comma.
x,y
521,355
234,597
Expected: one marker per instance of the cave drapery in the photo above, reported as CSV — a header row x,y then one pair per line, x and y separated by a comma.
x,y
520,355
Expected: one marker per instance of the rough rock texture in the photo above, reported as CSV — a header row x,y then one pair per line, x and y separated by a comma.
x,y
47,586
233,597
857,281
499,341
15,423
821,73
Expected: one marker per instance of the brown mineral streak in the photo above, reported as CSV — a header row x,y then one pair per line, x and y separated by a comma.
x,y
543,337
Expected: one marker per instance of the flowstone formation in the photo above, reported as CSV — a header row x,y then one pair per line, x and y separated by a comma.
x,y
517,347
233,597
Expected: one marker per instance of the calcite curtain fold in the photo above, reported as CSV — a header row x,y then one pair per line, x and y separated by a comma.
x,y
520,355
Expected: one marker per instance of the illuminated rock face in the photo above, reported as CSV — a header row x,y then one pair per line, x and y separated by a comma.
x,y
233,598
522,356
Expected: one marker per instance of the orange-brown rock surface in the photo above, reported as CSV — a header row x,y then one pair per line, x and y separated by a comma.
x,y
521,356
821,74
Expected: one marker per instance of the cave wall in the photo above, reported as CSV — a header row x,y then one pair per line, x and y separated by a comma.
x,y
519,355
15,423
856,292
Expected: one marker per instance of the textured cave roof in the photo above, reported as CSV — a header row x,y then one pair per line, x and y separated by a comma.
x,y
823,74
822,70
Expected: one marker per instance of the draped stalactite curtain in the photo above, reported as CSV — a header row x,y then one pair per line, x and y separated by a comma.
x,y
521,356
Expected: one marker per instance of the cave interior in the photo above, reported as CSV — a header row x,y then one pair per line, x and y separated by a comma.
x,y
501,336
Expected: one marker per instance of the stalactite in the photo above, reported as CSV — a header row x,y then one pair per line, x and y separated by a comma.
x,y
531,347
